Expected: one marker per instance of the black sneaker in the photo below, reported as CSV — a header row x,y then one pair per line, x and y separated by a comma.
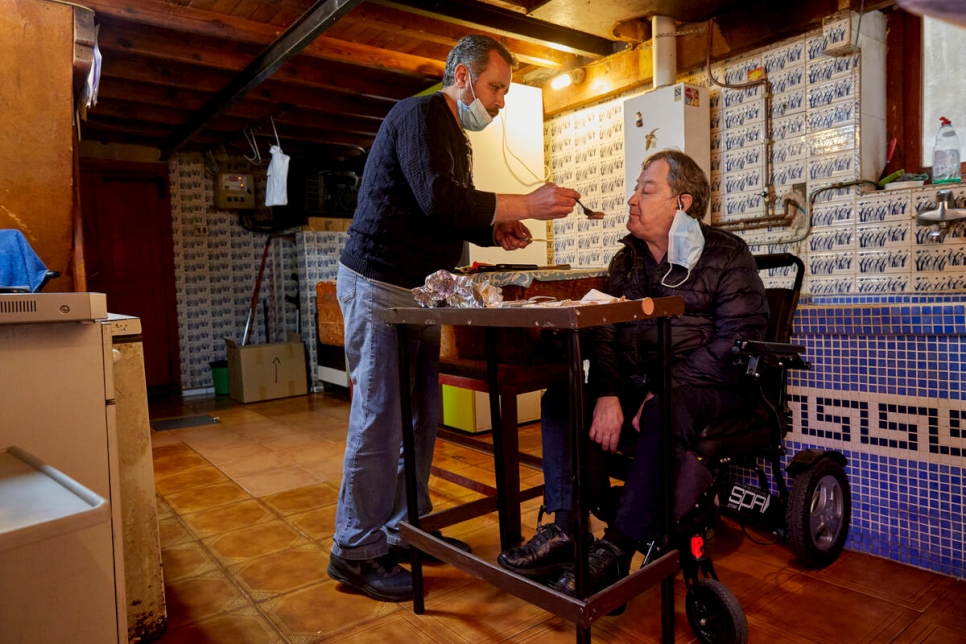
x,y
549,552
402,551
381,578
606,564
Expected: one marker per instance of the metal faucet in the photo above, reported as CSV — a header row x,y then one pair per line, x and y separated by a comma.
x,y
940,217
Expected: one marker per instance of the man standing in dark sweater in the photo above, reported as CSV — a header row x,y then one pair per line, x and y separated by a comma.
x,y
417,205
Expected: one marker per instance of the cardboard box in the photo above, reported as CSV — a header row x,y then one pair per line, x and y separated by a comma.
x,y
322,224
266,371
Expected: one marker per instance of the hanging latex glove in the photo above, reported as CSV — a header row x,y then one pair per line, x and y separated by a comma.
x,y
276,192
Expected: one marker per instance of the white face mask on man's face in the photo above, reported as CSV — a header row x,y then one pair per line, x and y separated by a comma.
x,y
685,244
474,116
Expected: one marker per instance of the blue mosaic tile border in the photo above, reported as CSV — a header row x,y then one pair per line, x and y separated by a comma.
x,y
907,349
898,298
923,366
904,319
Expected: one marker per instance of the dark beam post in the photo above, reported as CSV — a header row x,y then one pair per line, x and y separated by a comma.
x,y
322,15
508,23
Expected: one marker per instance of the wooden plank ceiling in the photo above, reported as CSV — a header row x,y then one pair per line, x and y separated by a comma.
x,y
166,61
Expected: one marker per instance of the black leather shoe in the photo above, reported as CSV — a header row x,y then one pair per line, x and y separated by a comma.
x,y
381,578
606,564
549,552
402,551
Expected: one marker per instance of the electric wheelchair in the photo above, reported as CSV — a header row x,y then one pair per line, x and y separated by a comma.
x,y
724,471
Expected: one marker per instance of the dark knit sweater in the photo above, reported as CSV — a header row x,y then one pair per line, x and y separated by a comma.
x,y
417,203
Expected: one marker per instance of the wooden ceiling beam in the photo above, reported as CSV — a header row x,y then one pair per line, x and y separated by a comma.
x,y
320,17
165,46
226,27
186,100
106,131
427,29
125,69
736,31
469,13
102,123
318,129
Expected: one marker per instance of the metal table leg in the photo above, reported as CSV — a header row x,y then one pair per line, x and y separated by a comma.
x,y
409,461
579,444
505,479
666,448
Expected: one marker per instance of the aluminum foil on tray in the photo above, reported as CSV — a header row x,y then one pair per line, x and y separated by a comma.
x,y
443,288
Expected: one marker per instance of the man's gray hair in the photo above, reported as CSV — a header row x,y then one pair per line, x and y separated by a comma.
x,y
474,52
685,178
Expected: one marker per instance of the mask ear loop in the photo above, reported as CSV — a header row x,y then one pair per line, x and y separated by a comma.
x,y
674,285
671,266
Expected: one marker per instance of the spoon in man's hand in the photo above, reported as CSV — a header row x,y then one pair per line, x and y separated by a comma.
x,y
591,214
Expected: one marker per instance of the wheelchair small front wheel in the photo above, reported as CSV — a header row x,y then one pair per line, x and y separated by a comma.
x,y
818,513
714,613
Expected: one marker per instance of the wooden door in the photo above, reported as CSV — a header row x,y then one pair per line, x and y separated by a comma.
x,y
129,253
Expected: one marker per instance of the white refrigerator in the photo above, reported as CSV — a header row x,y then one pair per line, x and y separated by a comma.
x,y
673,117
508,158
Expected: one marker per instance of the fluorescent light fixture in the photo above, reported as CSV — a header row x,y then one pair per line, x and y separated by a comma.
x,y
567,78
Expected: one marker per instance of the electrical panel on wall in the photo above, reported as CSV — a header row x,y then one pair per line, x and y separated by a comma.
x,y
235,191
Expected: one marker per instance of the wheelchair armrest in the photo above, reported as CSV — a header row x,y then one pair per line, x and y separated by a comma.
x,y
748,347
781,353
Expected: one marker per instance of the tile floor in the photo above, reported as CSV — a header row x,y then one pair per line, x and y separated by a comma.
x,y
246,509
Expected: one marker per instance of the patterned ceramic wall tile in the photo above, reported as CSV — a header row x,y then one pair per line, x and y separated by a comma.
x,y
896,234
788,103
216,261
882,207
819,285
834,238
784,56
788,127
788,80
786,175
938,283
882,284
736,72
789,149
833,141
939,258
875,262
833,167
744,114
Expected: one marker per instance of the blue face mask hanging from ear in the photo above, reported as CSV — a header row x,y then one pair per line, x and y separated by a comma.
x,y
474,116
685,244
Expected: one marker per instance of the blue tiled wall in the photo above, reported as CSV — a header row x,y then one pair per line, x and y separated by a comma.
x,y
886,389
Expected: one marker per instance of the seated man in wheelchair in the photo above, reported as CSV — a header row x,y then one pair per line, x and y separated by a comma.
x,y
668,252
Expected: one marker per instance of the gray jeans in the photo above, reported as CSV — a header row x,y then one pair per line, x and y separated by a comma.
x,y
372,499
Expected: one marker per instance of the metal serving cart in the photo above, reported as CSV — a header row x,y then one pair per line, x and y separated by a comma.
x,y
570,320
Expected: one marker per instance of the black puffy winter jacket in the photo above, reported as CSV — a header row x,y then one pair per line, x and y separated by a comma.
x,y
724,299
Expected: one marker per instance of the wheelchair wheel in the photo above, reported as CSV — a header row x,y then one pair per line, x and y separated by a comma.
x,y
714,613
818,513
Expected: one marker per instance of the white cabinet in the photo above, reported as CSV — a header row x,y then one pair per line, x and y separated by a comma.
x,y
57,403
